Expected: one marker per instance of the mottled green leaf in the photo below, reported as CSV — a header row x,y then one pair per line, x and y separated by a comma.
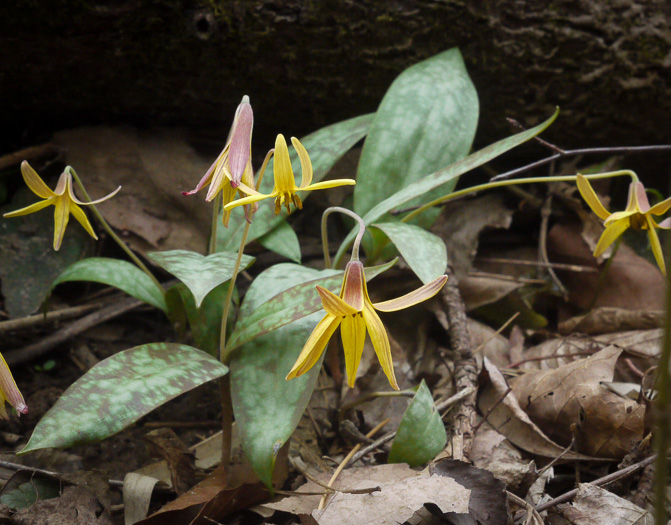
x,y
448,174
424,252
421,435
120,390
267,407
28,493
290,305
201,274
325,147
28,262
283,240
426,121
114,272
205,322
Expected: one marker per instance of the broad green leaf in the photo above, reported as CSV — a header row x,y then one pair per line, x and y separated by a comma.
x,y
28,493
448,174
267,407
426,120
205,322
114,272
283,240
121,389
290,305
28,262
200,273
424,252
325,147
421,435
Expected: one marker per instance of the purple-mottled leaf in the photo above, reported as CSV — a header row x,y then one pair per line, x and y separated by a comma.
x,y
120,390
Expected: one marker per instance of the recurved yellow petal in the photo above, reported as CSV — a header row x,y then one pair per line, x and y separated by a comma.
x,y
410,299
378,336
329,184
661,207
655,245
306,163
248,200
284,175
353,332
314,346
585,189
9,391
333,304
610,234
82,219
30,209
618,216
34,182
61,218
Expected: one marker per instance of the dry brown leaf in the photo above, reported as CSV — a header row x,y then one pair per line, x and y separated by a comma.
x,y
153,168
509,419
632,282
486,342
180,461
137,491
76,506
571,401
478,290
596,506
608,319
463,221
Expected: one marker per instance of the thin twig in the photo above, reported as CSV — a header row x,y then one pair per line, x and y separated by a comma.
x,y
577,152
50,317
605,480
35,350
329,490
519,262
498,332
546,211
491,409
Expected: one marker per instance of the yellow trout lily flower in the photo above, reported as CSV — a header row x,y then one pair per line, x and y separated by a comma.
x,y
9,392
637,215
232,170
354,312
63,199
285,190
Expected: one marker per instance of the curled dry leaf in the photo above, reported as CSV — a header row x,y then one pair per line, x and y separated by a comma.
x,y
504,413
606,319
570,401
596,506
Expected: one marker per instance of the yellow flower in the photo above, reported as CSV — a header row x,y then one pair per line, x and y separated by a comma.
x,y
637,215
63,199
354,312
285,188
232,170
9,392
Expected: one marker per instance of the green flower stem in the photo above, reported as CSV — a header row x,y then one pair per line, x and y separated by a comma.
x,y
212,245
357,240
514,182
111,233
661,410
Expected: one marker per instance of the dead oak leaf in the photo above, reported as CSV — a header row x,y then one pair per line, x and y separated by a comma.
x,y
571,400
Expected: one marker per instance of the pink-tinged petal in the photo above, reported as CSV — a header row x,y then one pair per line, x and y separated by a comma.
x,y
589,195
220,178
329,184
333,304
207,178
642,202
248,200
353,333
241,140
79,214
9,389
610,235
314,346
284,175
74,198
661,207
410,299
655,245
32,208
353,283
61,218
64,183
34,182
378,336
306,163
632,205
665,224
